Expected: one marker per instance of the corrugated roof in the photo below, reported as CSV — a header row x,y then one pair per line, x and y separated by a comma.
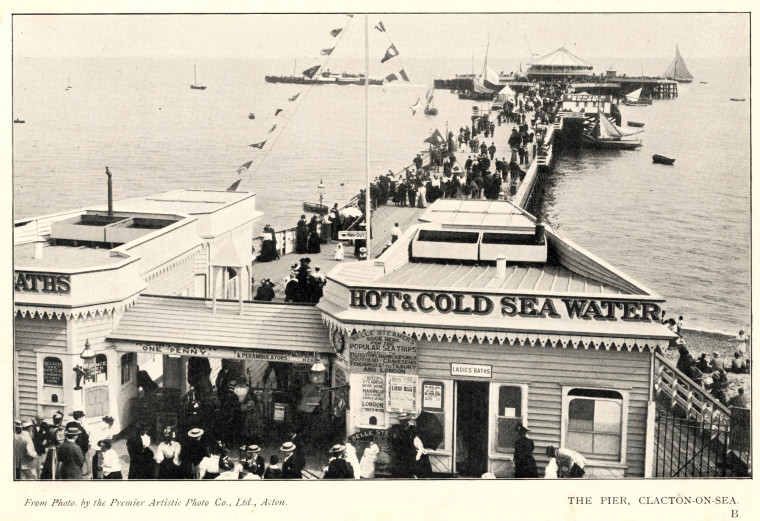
x,y
190,321
543,278
561,58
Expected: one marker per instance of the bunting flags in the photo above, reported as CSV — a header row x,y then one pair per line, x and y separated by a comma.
x,y
272,129
258,145
336,32
326,52
394,77
277,111
380,27
244,167
390,53
435,138
309,73
293,98
234,186
417,106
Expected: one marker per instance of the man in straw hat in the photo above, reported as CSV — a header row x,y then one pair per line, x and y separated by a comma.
x,y
23,450
338,467
192,453
251,459
525,464
70,456
290,467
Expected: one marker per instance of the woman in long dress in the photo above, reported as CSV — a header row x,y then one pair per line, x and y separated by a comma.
x,y
302,235
313,244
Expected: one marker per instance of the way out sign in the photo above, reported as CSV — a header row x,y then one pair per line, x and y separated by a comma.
x,y
350,235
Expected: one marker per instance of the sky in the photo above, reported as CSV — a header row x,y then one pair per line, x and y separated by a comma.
x,y
699,35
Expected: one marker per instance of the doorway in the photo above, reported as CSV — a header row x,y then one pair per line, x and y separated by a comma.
x,y
471,453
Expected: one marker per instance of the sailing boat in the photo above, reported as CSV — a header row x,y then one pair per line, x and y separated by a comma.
x,y
606,135
195,80
677,70
485,85
634,99
430,109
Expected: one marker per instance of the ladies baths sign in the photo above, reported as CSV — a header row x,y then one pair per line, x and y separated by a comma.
x,y
508,305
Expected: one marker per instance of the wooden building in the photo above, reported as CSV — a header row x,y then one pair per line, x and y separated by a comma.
x,y
486,319
77,273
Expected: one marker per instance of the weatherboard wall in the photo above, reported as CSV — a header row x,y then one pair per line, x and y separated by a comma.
x,y
545,371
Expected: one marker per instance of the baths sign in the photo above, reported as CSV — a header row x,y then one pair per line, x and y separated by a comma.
x,y
475,304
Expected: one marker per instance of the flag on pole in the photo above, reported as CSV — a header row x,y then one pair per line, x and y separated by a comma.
x,y
234,186
310,72
417,106
277,111
326,52
380,27
336,32
244,167
390,53
293,98
258,145
435,138
272,129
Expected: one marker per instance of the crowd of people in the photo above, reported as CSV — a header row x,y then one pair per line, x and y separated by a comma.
x,y
710,373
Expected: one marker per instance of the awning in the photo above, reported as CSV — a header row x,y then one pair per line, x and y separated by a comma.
x,y
188,322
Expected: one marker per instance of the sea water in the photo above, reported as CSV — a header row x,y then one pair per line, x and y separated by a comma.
x,y
683,231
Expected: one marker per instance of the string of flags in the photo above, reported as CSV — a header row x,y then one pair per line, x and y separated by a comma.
x,y
309,73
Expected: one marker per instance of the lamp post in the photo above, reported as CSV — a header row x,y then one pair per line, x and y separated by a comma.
x,y
321,190
83,372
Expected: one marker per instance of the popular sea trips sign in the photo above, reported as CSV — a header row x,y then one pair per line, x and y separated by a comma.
x,y
568,308
382,352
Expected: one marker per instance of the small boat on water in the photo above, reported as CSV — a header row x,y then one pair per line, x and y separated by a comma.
x,y
662,160
317,208
737,99
608,136
196,85
19,121
703,82
635,124
251,116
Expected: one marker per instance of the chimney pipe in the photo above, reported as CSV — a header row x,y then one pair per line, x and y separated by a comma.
x,y
501,268
37,250
110,193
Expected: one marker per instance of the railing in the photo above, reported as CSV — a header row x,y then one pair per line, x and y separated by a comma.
x,y
693,399
286,239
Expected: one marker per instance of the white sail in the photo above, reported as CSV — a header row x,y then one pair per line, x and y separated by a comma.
x,y
677,69
429,97
609,131
634,96
479,87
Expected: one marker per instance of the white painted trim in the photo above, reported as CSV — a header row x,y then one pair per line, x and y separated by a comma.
x,y
649,443
623,418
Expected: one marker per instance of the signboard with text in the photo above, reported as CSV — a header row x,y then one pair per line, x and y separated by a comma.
x,y
471,370
269,355
382,352
52,371
350,235
373,392
401,393
483,305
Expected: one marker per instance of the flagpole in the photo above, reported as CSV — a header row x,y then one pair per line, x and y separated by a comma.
x,y
368,201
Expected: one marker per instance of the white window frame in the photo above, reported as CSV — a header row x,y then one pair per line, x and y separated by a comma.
x,y
493,410
623,420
